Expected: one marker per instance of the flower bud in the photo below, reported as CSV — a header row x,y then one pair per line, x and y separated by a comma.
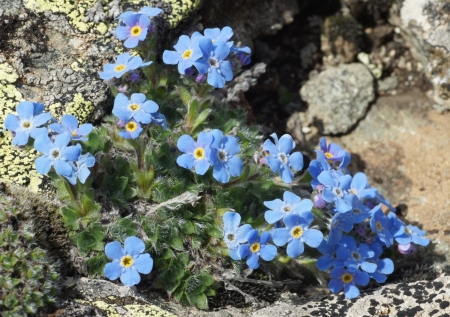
x,y
319,202
200,78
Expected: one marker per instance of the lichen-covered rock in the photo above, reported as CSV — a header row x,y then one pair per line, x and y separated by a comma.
x,y
424,26
338,97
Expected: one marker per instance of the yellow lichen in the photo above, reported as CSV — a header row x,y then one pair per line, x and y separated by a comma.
x,y
102,28
78,65
181,9
54,110
7,74
80,108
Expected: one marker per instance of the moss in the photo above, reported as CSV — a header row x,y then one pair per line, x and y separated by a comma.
x,y
180,10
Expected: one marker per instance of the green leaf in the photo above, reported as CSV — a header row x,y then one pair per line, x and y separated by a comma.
x,y
183,258
178,294
96,264
214,231
69,218
122,229
193,286
129,193
207,280
200,300
188,227
193,111
185,96
177,243
210,292
200,119
11,301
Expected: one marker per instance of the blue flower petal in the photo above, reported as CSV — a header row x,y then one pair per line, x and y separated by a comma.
x,y
62,140
336,285
296,161
62,167
235,166
43,144
132,42
113,270
114,250
122,32
85,129
214,79
171,57
186,161
186,144
12,122
70,121
42,118
253,261
231,220
71,153
281,236
268,252
130,277
274,163
286,144
143,263
133,246
35,132
21,138
201,166
183,44
273,216
286,174
25,110
351,291
295,248
312,237
43,164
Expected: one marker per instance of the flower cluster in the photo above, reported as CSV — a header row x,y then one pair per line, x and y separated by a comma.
x,y
211,149
52,141
136,111
359,230
212,56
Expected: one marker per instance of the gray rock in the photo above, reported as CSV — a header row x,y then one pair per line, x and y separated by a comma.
x,y
338,97
424,27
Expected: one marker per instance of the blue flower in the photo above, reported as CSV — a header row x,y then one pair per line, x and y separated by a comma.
x,y
196,153
292,204
356,256
148,11
124,63
384,266
359,210
360,187
216,35
257,247
27,122
233,235
219,70
223,157
137,108
379,224
159,119
132,129
80,168
56,154
316,167
133,28
334,153
336,187
341,222
69,124
187,54
412,234
280,159
297,233
347,279
127,262
329,257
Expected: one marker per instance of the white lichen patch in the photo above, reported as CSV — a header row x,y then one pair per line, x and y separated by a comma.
x,y
7,74
128,310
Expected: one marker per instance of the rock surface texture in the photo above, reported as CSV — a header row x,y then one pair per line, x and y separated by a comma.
x,y
338,97
424,26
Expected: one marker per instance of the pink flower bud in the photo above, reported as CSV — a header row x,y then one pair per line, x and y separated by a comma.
x,y
319,202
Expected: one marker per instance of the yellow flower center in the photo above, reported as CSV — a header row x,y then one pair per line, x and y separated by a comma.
x,y
287,208
199,153
131,126
55,154
328,155
187,54
230,237
255,247
26,125
119,68
136,30
407,230
74,133
379,227
297,232
126,261
134,107
347,278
